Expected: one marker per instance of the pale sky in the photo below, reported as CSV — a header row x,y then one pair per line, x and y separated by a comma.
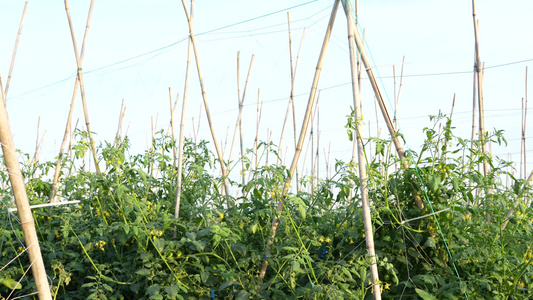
x,y
136,50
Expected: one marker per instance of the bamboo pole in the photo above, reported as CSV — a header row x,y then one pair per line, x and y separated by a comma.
x,y
208,115
317,155
524,127
294,69
35,155
310,145
479,76
394,135
171,126
238,124
23,205
15,51
71,112
121,115
182,124
82,87
367,219
241,138
257,123
397,93
303,132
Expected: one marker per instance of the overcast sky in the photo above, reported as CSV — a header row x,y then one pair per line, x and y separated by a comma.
x,y
136,50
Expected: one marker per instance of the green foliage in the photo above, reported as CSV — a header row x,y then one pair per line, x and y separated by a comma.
x,y
122,240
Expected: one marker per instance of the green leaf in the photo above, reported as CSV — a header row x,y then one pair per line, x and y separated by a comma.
x,y
126,228
254,228
430,242
107,287
11,283
434,183
143,272
172,291
425,295
204,275
226,284
243,295
302,210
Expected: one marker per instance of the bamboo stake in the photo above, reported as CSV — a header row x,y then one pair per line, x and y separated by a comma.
x,y
23,205
257,122
34,159
317,156
171,125
208,115
310,145
394,135
225,142
71,112
294,70
523,165
15,52
120,121
397,94
479,77
303,131
367,219
238,124
241,138
269,138
182,124
524,127
82,88
522,142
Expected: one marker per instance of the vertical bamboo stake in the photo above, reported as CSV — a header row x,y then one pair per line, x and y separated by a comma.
x,y
82,88
395,139
479,77
310,145
34,159
524,127
171,125
182,124
367,219
238,124
208,115
118,136
71,112
241,138
257,122
303,132
294,70
317,157
522,142
397,94
15,51
23,205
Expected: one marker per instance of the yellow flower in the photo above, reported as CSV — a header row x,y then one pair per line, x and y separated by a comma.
x,y
321,239
221,216
387,286
328,240
467,216
100,245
